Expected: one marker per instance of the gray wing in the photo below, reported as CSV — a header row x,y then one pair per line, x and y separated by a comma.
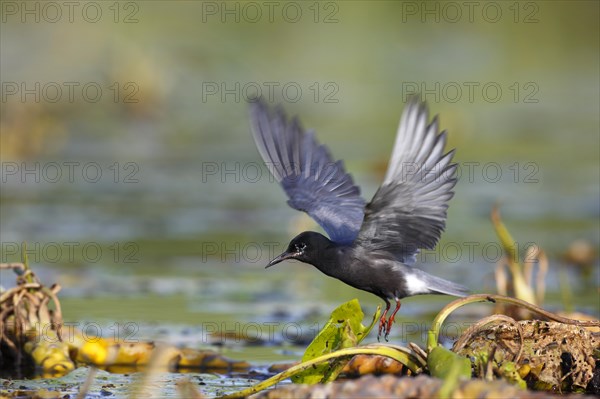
x,y
408,212
313,182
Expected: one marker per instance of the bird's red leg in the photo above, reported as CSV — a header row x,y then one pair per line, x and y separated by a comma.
x,y
391,319
382,320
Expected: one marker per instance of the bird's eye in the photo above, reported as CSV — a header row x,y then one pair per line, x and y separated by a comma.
x,y
300,247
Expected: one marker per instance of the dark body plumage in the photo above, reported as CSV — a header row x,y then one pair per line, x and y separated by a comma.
x,y
373,246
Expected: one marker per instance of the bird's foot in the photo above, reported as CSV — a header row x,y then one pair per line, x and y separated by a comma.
x,y
384,327
382,323
388,328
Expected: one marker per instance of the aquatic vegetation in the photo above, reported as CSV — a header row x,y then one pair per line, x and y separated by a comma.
x,y
498,355
30,323
518,282
553,356
34,337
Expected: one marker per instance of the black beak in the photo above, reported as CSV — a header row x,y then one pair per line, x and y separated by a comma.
x,y
281,258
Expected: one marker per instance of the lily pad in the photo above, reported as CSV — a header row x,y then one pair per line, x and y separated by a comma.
x,y
443,363
344,329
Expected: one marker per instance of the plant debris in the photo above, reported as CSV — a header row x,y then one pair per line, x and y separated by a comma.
x,y
548,356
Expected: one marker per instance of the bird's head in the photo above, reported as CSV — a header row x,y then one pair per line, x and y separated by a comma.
x,y
307,247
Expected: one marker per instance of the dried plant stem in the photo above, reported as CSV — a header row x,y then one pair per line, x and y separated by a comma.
x,y
433,334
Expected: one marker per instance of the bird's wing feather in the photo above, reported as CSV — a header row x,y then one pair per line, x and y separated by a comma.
x,y
313,182
408,212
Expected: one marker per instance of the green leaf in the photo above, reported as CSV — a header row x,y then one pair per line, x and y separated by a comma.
x,y
344,329
447,365
398,353
443,363
510,373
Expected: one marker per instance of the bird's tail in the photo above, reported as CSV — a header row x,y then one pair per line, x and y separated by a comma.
x,y
437,285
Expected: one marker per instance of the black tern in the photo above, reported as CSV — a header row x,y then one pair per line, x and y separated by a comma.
x,y
372,246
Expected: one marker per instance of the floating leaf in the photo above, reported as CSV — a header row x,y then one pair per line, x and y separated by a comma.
x,y
344,329
445,364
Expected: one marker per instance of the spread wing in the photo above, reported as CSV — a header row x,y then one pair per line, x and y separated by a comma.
x,y
313,182
408,212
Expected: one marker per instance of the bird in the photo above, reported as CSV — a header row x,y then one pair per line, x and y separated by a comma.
x,y
371,246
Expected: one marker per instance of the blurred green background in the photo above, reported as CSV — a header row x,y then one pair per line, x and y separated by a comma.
x,y
129,169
